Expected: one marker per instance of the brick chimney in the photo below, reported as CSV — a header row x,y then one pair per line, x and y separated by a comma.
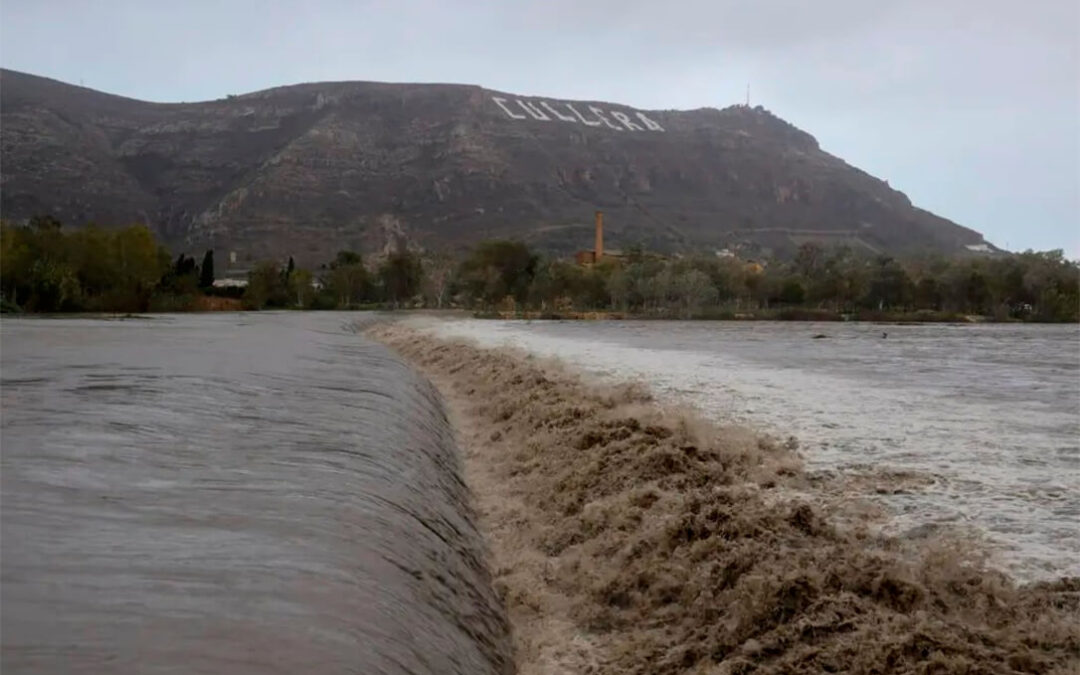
x,y
598,251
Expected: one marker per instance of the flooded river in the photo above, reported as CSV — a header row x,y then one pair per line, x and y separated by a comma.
x,y
232,493
990,414
275,493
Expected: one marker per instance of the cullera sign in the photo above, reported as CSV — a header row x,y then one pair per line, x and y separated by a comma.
x,y
532,110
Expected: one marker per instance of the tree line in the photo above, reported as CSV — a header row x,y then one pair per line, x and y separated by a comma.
x,y
509,278
817,283
346,282
47,268
44,267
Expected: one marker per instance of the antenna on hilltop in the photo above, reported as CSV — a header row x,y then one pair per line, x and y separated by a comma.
x,y
747,94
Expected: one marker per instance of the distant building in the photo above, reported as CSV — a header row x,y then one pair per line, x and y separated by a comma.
x,y
597,253
594,255
585,257
589,257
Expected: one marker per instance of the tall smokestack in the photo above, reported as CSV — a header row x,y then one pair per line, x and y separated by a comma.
x,y
598,252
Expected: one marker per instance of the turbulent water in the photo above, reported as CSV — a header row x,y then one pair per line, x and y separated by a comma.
x,y
990,413
232,493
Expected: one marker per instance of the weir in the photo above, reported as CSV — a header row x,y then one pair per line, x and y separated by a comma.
x,y
241,494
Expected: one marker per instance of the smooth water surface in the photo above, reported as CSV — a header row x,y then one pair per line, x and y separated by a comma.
x,y
232,494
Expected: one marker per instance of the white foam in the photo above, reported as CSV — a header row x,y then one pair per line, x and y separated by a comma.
x,y
990,412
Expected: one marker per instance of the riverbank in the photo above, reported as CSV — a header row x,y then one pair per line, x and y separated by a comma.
x,y
227,304
628,537
162,305
786,314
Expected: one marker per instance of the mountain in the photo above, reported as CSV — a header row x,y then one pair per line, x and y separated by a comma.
x,y
309,169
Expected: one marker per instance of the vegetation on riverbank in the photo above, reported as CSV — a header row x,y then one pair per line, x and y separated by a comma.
x,y
506,279
631,538
768,314
46,268
344,283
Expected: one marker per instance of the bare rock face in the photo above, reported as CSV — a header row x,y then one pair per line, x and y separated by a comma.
x,y
310,169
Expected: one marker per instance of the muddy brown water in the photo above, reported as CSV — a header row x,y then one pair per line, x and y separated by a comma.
x,y
988,415
232,493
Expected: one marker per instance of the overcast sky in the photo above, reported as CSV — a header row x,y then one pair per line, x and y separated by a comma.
x,y
971,108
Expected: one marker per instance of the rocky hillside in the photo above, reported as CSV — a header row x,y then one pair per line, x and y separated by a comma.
x,y
313,168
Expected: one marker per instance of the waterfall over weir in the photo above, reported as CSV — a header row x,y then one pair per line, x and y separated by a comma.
x,y
232,493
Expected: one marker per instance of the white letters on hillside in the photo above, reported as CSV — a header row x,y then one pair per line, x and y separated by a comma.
x,y
594,123
600,113
649,124
501,102
533,110
556,113
536,111
621,116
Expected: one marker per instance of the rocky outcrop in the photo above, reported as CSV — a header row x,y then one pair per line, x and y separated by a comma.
x,y
310,169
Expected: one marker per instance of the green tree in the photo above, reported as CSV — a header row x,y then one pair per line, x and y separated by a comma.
x,y
890,286
928,294
659,290
90,257
45,223
792,292
16,258
206,273
347,279
438,278
694,290
809,261
620,286
728,276
842,281
46,268
971,290
496,269
181,278
1054,283
266,287
400,277
300,285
